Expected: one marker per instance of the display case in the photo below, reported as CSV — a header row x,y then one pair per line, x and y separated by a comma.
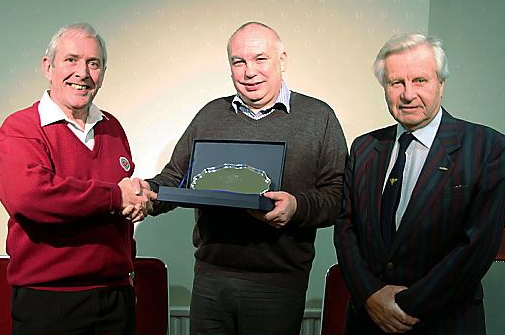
x,y
230,174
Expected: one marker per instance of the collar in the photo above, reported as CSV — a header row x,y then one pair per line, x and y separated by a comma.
x,y
426,134
281,103
50,112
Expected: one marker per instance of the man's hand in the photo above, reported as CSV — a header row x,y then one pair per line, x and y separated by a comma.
x,y
137,198
385,312
135,213
279,216
142,187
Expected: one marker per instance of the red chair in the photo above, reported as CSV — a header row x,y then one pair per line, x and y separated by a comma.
x,y
335,300
5,298
151,287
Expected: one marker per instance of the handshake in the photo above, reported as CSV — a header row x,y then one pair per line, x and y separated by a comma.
x,y
136,198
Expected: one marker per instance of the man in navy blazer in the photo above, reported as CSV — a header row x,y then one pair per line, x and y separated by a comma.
x,y
451,208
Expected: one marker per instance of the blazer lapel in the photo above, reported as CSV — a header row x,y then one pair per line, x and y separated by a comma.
x,y
434,175
377,169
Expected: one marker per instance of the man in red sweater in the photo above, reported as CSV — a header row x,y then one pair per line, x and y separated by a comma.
x,y
65,169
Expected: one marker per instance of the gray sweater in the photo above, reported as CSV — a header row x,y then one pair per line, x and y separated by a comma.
x,y
230,241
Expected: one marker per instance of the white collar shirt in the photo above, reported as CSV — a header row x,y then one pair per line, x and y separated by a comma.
x,y
416,155
281,103
50,113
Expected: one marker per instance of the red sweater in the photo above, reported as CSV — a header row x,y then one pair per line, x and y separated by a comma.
x,y
60,197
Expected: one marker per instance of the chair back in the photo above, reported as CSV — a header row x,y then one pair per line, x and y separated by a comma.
x,y
336,296
151,289
5,298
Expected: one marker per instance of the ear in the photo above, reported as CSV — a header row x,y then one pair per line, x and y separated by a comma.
x,y
46,67
284,61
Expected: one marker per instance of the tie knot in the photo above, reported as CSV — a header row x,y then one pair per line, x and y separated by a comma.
x,y
405,140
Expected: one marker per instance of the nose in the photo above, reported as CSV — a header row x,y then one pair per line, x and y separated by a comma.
x,y
81,69
408,92
250,70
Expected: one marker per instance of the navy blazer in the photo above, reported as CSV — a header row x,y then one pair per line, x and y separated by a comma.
x,y
448,237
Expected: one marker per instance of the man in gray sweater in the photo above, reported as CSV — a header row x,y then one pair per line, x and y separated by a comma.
x,y
252,268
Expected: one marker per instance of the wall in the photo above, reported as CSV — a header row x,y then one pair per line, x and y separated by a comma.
x,y
474,36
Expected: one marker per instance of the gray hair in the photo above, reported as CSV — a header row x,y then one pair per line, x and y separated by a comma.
x,y
85,29
398,44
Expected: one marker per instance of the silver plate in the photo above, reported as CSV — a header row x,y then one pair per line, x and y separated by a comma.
x,y
238,178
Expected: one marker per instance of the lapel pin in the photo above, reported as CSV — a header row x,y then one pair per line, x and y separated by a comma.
x,y
393,180
443,168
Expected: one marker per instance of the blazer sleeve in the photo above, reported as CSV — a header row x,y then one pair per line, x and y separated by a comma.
x,y
348,235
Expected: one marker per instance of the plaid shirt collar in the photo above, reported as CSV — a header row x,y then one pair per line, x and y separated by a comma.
x,y
281,103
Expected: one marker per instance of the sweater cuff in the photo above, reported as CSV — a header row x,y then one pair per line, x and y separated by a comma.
x,y
301,210
115,199
155,187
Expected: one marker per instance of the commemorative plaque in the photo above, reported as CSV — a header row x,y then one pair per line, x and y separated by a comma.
x,y
238,178
231,174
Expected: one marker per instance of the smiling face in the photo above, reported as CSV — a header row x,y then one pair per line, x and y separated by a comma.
x,y
412,89
76,73
257,62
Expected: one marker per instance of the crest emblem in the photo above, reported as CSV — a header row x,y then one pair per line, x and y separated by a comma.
x,y
125,164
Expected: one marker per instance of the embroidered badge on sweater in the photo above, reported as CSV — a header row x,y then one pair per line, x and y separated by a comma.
x,y
125,164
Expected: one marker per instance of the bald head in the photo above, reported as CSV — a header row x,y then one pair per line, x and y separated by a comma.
x,y
256,29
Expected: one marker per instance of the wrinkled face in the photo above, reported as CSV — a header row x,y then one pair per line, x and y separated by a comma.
x,y
413,91
77,72
257,63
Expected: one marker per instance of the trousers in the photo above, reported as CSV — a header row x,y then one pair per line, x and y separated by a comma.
x,y
231,306
100,311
